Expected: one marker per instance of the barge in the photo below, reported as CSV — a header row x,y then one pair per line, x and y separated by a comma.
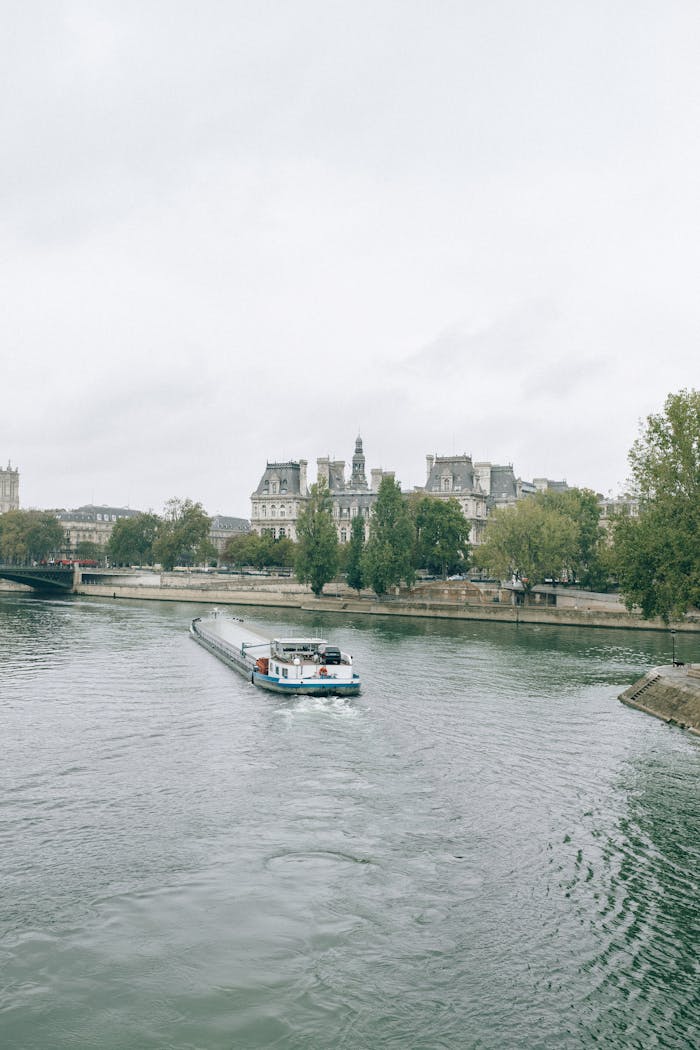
x,y
307,666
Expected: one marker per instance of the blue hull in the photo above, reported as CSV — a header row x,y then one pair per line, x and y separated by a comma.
x,y
306,688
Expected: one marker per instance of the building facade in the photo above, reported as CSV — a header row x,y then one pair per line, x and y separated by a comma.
x,y
611,508
277,501
455,477
9,488
223,528
283,491
91,524
479,489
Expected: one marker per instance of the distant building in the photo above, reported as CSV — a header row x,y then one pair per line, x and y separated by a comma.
x,y
9,488
618,506
223,528
455,477
278,499
283,491
500,484
90,523
351,497
547,485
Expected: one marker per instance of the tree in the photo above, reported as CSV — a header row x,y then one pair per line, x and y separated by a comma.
x,y
353,567
88,549
29,535
317,540
389,555
249,548
183,535
442,536
242,549
588,565
530,541
283,552
131,540
657,555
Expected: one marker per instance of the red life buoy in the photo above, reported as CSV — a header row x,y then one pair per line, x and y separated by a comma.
x,y
323,671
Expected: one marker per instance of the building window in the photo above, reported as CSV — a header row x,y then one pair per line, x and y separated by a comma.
x,y
343,535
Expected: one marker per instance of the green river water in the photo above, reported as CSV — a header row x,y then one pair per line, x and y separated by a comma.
x,y
485,849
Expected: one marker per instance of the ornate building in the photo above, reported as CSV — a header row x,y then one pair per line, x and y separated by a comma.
x,y
224,527
479,488
454,477
279,497
284,490
9,488
90,523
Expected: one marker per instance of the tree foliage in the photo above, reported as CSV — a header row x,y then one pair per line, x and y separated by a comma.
x,y
552,535
259,552
389,554
131,540
657,555
183,535
530,541
88,549
442,536
355,554
588,565
317,540
30,535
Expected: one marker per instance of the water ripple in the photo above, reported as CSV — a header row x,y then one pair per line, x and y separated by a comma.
x,y
484,849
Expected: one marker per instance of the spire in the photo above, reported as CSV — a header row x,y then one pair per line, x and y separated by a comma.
x,y
359,478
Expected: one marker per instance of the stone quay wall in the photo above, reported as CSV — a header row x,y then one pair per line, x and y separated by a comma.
x,y
669,693
458,600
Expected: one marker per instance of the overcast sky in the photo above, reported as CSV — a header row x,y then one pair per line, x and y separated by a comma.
x,y
235,232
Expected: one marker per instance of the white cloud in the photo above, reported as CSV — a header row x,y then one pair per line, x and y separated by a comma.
x,y
242,232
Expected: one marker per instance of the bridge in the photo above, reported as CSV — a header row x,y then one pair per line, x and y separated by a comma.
x,y
55,578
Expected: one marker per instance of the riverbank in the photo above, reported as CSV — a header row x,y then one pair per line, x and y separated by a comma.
x,y
435,599
669,693
454,600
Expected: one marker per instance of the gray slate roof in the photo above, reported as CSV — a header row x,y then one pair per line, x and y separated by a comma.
x,y
286,475
459,468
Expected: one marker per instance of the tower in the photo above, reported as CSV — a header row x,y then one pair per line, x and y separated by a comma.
x,y
359,478
9,489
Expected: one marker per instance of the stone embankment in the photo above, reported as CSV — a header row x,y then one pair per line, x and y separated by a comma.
x,y
455,600
669,693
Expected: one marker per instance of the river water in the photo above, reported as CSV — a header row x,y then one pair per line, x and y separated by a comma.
x,y
485,849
